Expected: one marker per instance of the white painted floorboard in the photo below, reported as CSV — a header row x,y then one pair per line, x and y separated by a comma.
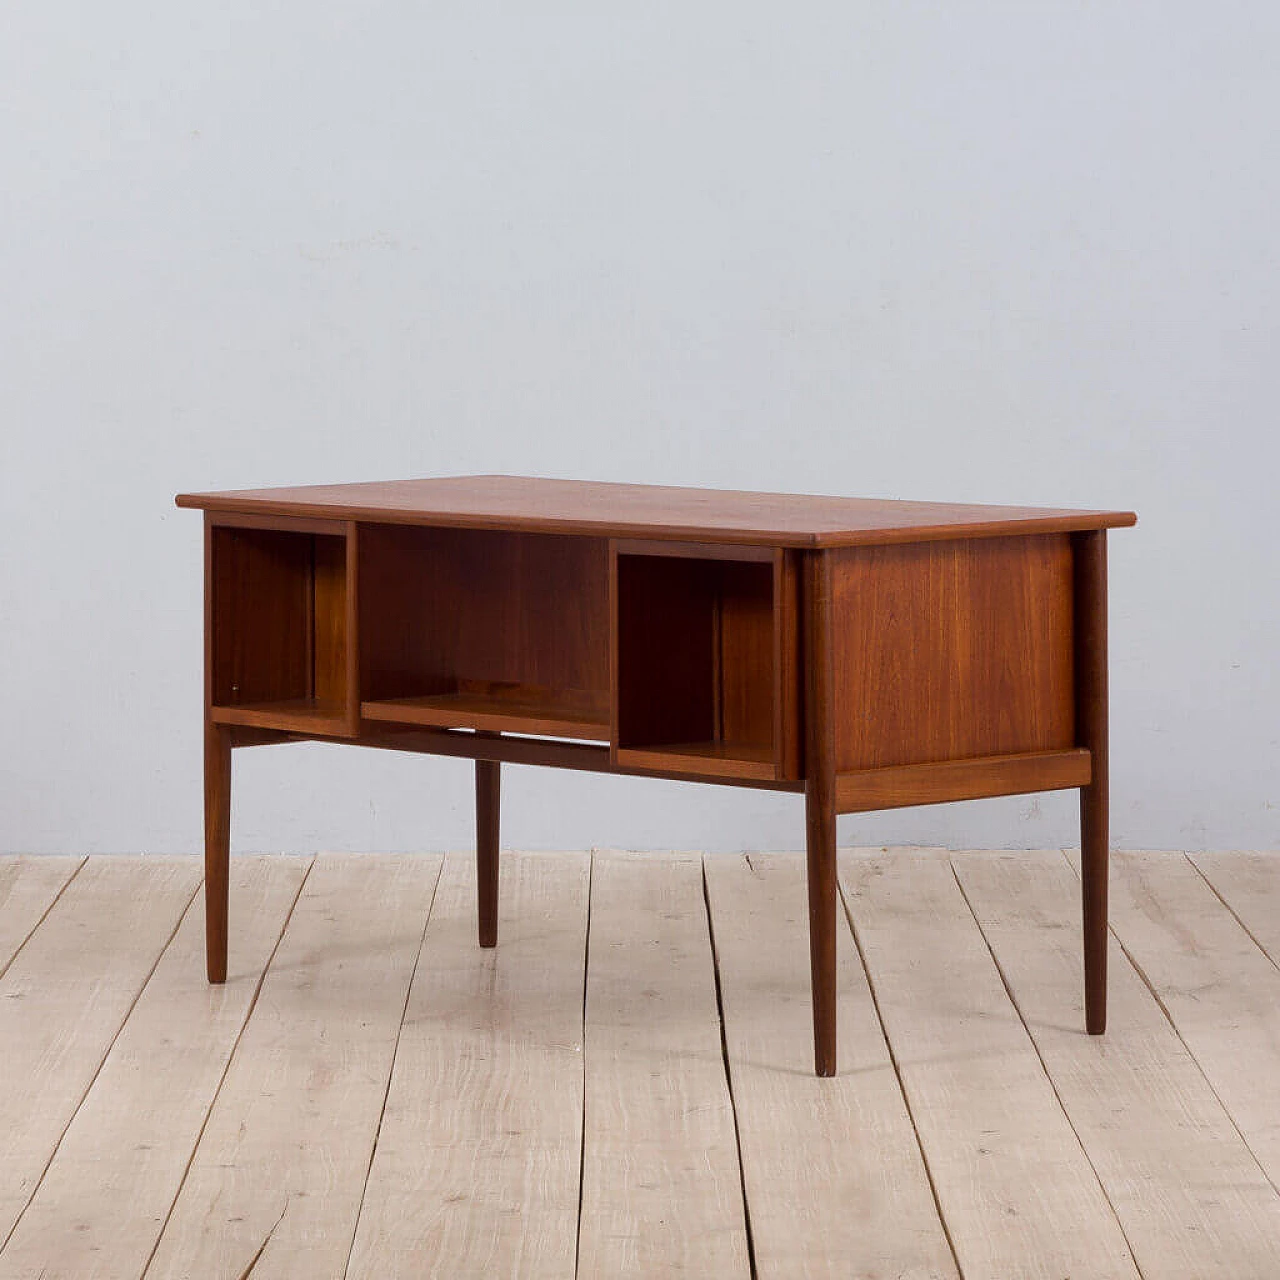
x,y
1219,988
477,1167
661,1188
100,1209
1016,1189
65,997
276,1182
822,1201
624,1086
1190,1196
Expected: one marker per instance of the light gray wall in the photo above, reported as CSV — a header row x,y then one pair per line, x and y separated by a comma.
x,y
998,252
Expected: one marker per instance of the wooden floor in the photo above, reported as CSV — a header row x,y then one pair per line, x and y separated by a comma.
x,y
624,1087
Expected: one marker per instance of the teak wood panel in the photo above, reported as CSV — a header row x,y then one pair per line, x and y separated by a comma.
x,y
788,726
329,619
261,615
944,650
949,650
530,504
971,779
281,523
445,610
706,640
666,661
279,617
498,709
705,764
744,643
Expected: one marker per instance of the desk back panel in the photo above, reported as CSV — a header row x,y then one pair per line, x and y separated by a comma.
x,y
442,609
950,650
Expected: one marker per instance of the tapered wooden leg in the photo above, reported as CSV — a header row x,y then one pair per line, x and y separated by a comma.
x,y
1090,551
820,822
217,847
820,809
488,792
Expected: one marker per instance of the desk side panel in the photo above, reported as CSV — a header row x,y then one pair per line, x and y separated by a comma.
x,y
951,650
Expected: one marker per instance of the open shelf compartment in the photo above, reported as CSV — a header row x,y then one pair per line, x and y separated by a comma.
x,y
485,630
702,663
279,638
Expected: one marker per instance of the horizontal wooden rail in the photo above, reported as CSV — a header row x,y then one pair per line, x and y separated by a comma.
x,y
280,523
505,748
982,776
858,792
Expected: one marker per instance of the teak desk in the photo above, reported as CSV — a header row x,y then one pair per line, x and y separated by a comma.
x,y
869,654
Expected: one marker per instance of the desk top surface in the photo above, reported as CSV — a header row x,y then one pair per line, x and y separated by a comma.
x,y
650,511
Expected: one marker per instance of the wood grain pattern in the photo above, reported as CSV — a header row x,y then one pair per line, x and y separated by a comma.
x,y
660,1187
697,662
83,969
745,641
217,848
974,1083
739,551
788,731
477,1166
834,1180
283,523
403,646
277,1178
687,766
711,761
666,668
440,606
477,1160
261,617
951,650
1218,987
350,603
820,803
1192,1201
488,853
1089,563
288,715
101,1205
278,623
648,511
28,888
329,620
552,715
909,784
1249,883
